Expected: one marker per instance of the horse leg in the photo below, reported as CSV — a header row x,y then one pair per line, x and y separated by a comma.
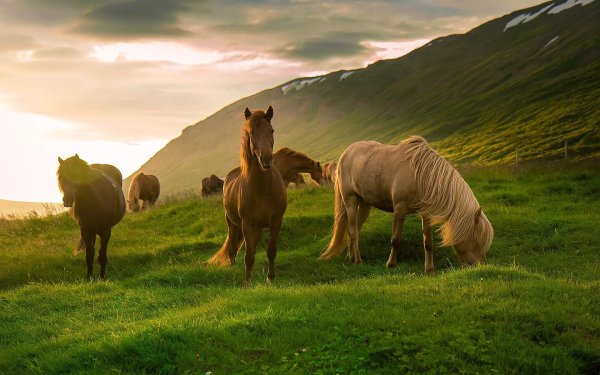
x,y
251,236
399,216
352,203
428,245
89,239
102,258
272,248
144,205
363,213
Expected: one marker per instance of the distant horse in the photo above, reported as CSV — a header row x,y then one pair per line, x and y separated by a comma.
x,y
254,196
143,187
211,185
406,178
289,163
329,171
98,204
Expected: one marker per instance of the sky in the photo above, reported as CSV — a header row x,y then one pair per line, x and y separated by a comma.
x,y
115,80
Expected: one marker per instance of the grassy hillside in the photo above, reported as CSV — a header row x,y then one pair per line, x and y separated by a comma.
x,y
476,97
534,308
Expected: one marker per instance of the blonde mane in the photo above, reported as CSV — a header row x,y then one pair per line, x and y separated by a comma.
x,y
445,196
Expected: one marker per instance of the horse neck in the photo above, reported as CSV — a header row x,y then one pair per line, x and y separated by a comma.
x,y
256,177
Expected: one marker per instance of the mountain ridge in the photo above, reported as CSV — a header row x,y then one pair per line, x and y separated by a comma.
x,y
476,97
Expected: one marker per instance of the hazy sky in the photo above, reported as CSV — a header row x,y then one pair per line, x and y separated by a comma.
x,y
114,80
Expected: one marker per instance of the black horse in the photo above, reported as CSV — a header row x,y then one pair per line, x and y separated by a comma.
x,y
98,204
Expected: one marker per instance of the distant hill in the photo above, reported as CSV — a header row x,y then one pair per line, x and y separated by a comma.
x,y
527,80
16,209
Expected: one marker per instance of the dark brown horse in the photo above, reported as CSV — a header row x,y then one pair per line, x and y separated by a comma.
x,y
299,180
212,185
111,172
290,163
254,196
144,187
98,204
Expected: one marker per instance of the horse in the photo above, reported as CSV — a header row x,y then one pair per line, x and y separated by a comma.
x,y
410,177
143,187
254,197
329,171
98,205
109,171
211,185
289,163
298,180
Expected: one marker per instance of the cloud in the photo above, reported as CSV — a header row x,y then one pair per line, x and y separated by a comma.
x,y
133,19
326,47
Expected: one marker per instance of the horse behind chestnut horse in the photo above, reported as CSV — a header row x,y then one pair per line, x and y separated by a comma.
x,y
406,178
98,205
289,163
254,196
211,185
329,171
144,187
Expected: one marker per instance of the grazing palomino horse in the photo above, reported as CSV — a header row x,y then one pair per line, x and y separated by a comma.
x,y
254,196
289,163
143,187
211,185
329,171
406,178
98,205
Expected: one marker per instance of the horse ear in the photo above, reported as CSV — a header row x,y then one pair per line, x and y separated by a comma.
x,y
60,160
478,215
76,156
269,114
318,165
247,113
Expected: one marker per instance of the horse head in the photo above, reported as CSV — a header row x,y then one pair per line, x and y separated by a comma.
x,y
70,176
260,133
317,173
474,249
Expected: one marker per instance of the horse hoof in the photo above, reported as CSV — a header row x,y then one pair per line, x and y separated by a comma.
x,y
389,264
430,271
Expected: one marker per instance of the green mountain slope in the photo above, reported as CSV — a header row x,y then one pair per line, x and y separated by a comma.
x,y
476,97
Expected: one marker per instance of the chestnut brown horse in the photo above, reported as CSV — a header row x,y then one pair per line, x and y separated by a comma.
x,y
254,196
289,163
144,187
406,178
329,171
98,205
212,185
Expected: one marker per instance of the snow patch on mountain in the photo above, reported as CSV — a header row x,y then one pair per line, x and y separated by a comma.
x,y
299,85
568,4
525,17
551,9
551,41
345,75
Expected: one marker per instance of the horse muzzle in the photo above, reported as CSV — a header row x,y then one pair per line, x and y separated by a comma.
x,y
266,163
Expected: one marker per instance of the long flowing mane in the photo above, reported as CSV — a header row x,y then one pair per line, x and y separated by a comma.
x,y
73,171
445,196
134,188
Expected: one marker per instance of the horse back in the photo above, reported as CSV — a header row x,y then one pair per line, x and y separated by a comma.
x,y
100,204
379,174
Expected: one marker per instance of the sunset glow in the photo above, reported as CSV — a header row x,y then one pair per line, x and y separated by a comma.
x,y
115,85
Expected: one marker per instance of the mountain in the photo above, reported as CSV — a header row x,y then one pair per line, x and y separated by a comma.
x,y
17,209
528,80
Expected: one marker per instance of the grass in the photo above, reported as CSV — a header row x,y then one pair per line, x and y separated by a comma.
x,y
534,308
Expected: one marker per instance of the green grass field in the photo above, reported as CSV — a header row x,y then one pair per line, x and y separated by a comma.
x,y
534,308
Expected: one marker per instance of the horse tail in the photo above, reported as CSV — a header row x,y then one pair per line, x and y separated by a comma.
x,y
80,247
339,239
221,257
